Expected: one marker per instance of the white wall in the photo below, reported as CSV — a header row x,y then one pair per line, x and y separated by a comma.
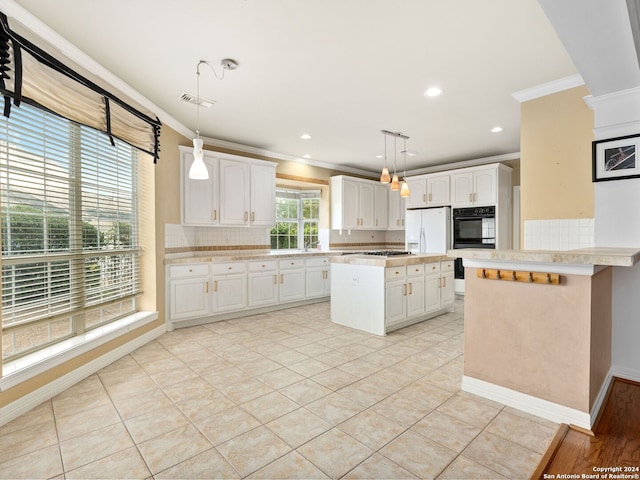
x,y
617,224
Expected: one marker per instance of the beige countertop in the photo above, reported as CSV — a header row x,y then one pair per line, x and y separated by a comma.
x,y
601,256
396,261
238,256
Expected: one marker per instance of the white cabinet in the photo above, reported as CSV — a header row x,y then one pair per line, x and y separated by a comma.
x,y
397,212
263,283
239,192
229,287
358,204
189,291
417,192
474,187
317,279
395,293
439,283
447,293
291,286
381,207
438,190
415,290
199,197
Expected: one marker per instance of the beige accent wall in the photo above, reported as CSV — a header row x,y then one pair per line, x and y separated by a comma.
x,y
555,165
551,342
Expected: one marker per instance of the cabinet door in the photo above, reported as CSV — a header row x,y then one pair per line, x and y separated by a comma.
x,y
315,282
189,298
366,206
432,293
234,192
485,187
394,212
395,301
200,197
263,195
462,189
291,286
417,193
438,191
350,197
381,208
229,293
263,289
447,294
415,296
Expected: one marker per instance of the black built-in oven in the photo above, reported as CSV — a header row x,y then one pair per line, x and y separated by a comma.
x,y
473,227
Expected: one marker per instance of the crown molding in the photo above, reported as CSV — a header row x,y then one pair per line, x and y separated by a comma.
x,y
548,88
73,53
465,163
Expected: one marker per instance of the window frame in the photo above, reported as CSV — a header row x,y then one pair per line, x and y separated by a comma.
x,y
299,196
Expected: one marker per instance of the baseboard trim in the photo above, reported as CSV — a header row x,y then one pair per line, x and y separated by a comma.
x,y
24,404
527,403
600,399
626,373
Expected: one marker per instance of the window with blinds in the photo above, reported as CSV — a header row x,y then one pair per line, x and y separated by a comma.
x,y
69,230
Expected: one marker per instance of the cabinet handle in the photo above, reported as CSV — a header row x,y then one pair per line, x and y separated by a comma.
x,y
444,281
430,197
376,222
424,197
403,222
214,215
282,278
397,222
253,216
440,282
475,197
471,197
246,216
275,279
404,289
411,289
206,287
215,285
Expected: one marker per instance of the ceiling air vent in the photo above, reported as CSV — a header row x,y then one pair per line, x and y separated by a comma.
x,y
203,102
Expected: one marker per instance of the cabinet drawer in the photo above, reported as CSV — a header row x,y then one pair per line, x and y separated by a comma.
x,y
395,273
223,268
447,266
291,263
317,262
431,268
266,266
185,271
415,270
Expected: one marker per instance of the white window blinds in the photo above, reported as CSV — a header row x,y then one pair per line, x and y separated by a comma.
x,y
69,229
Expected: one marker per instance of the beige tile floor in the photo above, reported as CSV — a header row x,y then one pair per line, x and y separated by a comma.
x,y
279,395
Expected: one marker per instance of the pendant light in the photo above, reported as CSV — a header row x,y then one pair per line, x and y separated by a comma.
x,y
198,170
385,177
395,184
404,190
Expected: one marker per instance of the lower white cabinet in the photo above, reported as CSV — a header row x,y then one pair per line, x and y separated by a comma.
x,y
292,275
229,287
317,280
263,283
439,281
395,295
189,291
415,290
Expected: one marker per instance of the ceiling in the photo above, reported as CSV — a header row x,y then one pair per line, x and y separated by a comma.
x,y
339,70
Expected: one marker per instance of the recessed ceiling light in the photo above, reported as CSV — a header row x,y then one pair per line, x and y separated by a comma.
x,y
306,155
433,92
305,136
379,156
496,129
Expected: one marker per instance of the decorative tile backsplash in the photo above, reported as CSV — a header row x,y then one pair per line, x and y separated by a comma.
x,y
560,234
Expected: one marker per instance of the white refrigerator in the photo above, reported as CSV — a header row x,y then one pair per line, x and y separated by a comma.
x,y
428,230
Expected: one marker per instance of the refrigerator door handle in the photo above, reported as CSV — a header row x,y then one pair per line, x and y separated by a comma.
x,y
423,241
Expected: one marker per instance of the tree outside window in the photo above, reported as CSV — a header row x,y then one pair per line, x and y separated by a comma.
x,y
297,214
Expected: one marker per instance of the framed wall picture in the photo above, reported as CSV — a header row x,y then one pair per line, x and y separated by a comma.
x,y
616,158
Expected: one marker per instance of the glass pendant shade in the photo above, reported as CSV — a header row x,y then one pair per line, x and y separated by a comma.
x,y
385,177
198,170
404,191
395,182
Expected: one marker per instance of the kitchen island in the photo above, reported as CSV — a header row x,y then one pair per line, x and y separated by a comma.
x,y
380,294
538,328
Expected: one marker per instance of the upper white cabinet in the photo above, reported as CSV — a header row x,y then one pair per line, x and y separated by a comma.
x,y
239,192
429,191
474,187
358,204
397,212
200,205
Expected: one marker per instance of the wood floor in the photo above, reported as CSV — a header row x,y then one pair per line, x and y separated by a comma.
x,y
616,442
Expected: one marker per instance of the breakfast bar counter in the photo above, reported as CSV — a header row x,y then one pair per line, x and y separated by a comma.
x,y
538,328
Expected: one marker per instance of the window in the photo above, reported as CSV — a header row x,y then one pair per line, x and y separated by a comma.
x,y
69,230
297,214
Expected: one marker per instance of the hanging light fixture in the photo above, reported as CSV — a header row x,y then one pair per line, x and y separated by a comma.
x,y
395,184
385,177
198,169
404,190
